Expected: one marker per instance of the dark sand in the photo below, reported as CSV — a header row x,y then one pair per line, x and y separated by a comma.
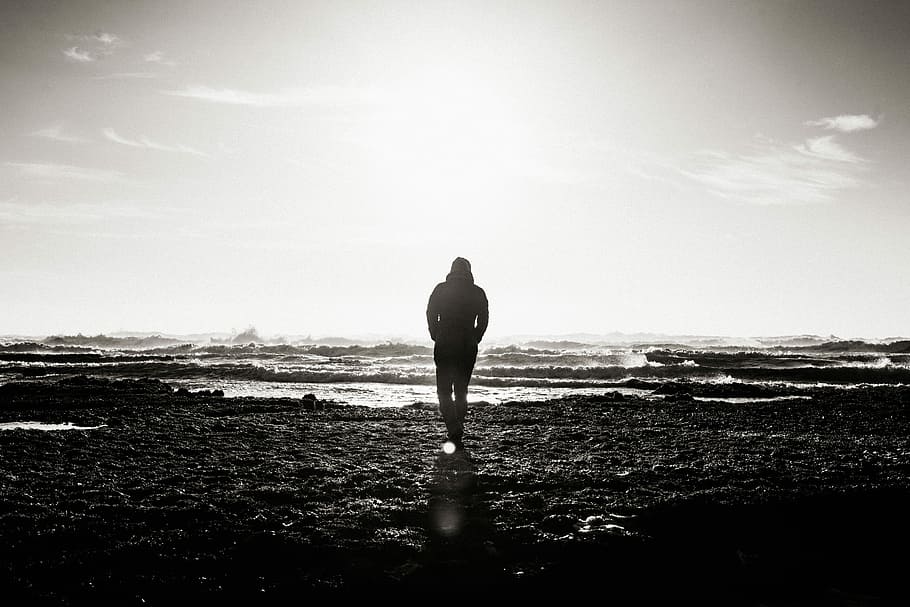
x,y
186,497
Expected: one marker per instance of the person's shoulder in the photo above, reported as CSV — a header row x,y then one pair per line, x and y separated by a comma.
x,y
480,291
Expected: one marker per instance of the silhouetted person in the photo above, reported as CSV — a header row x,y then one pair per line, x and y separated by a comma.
x,y
457,316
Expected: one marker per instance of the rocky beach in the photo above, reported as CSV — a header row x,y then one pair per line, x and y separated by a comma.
x,y
650,258
176,494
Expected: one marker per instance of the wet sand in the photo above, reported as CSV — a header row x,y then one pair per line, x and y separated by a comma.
x,y
183,496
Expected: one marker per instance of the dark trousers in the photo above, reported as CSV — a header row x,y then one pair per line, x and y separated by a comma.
x,y
454,364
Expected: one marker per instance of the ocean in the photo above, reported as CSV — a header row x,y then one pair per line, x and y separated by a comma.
x,y
402,374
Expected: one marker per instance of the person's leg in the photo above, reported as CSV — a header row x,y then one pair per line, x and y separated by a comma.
x,y
445,378
461,380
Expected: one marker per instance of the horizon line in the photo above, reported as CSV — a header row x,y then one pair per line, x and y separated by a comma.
x,y
400,336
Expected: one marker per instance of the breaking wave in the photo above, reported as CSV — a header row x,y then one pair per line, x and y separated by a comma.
x,y
538,365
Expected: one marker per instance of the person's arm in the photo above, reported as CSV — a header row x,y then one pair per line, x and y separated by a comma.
x,y
483,316
433,314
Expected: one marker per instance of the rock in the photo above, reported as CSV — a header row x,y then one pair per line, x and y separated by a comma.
x,y
311,403
558,523
212,393
675,387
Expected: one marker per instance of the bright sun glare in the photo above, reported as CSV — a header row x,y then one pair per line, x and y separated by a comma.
x,y
453,132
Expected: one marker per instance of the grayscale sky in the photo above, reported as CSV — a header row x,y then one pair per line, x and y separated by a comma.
x,y
735,168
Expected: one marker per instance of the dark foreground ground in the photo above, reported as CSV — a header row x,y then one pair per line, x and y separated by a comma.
x,y
195,497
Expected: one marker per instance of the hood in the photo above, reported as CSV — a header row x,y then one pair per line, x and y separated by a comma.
x,y
461,270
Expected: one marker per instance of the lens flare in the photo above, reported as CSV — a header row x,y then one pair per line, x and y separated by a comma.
x,y
448,447
447,519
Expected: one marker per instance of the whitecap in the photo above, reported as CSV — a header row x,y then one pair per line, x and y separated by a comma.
x,y
45,426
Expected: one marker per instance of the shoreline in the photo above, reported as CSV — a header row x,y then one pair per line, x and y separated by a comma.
x,y
197,495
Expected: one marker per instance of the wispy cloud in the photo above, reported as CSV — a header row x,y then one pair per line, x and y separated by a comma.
x,y
231,96
91,46
826,148
157,57
846,123
54,213
79,56
321,95
107,39
147,144
56,133
126,75
101,40
817,170
50,171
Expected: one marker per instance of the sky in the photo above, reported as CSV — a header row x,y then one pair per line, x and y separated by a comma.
x,y
698,167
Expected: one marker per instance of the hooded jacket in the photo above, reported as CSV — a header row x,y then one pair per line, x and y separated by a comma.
x,y
458,307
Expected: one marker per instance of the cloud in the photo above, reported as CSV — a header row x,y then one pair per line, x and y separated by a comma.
x,y
100,40
92,46
74,54
52,171
107,39
321,95
814,171
826,148
231,96
56,133
147,144
157,57
846,123
53,213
